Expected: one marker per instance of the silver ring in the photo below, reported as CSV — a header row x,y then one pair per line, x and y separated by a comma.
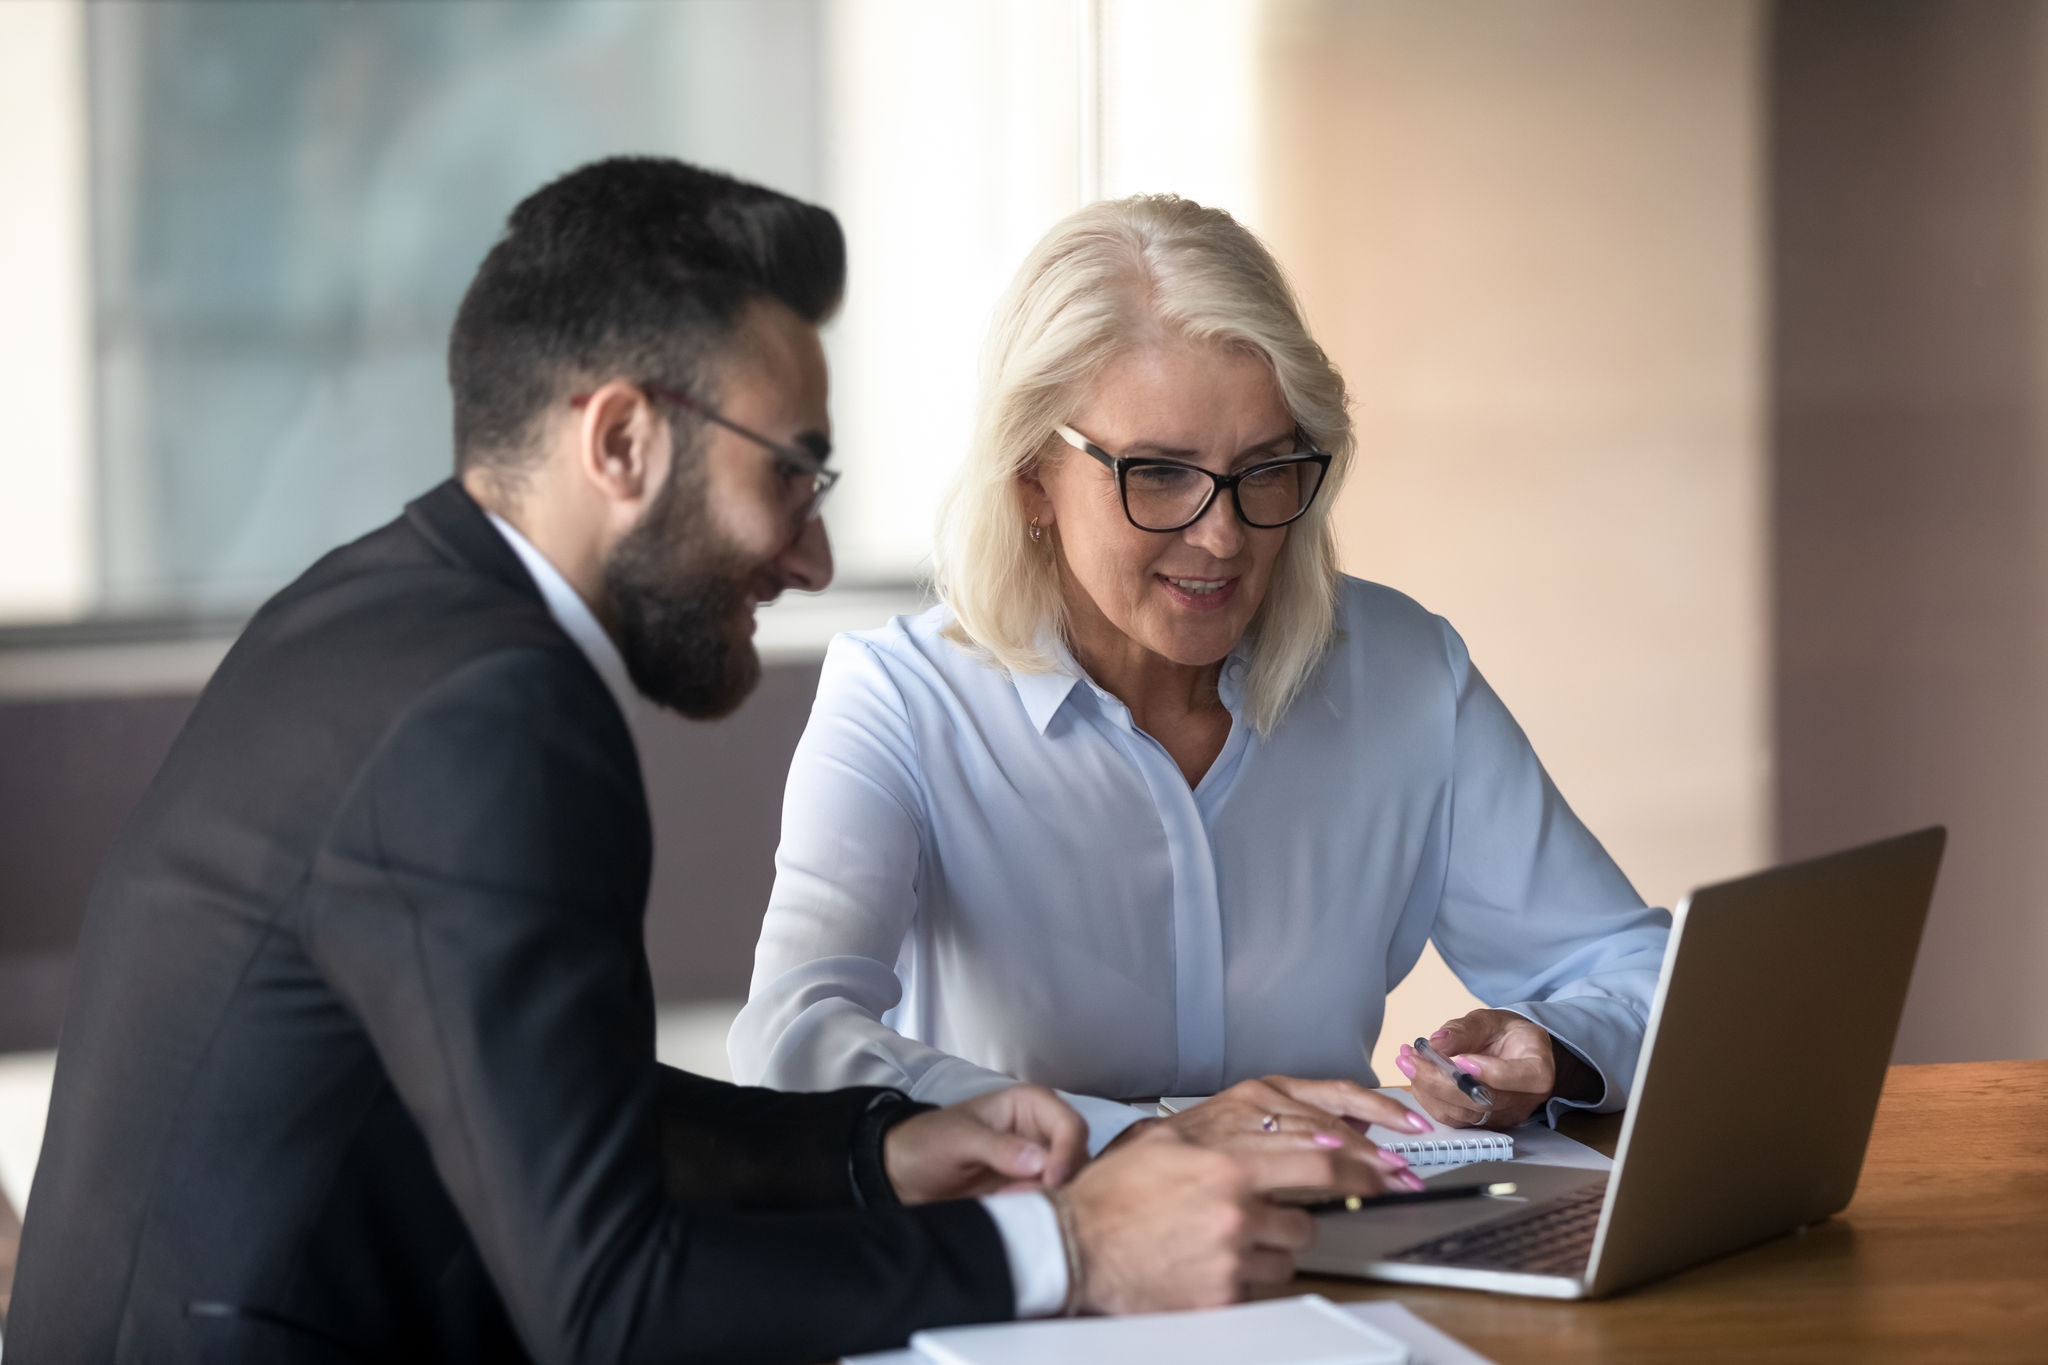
x,y
1271,1123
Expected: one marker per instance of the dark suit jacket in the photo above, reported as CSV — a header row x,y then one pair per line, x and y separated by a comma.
x,y
359,1060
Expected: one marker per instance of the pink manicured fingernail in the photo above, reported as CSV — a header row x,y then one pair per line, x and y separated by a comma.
x,y
1405,1067
1440,1033
1412,1181
1388,1154
1466,1065
1328,1140
1406,1051
1419,1124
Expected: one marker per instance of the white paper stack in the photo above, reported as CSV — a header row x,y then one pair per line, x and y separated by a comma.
x,y
1425,1345
1309,1330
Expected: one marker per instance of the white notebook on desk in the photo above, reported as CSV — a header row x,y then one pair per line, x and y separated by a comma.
x,y
1309,1330
1444,1147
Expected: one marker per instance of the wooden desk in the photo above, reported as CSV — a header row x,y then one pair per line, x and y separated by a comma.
x,y
1941,1257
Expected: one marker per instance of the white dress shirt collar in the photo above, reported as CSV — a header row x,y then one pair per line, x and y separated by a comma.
x,y
573,615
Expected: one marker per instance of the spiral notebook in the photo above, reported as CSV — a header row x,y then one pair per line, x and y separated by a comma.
x,y
1444,1147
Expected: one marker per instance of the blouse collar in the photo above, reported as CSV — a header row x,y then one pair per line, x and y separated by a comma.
x,y
1044,693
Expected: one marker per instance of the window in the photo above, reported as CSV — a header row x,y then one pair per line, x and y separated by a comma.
x,y
286,202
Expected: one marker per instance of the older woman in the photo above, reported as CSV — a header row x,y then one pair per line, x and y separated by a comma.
x,y
1156,800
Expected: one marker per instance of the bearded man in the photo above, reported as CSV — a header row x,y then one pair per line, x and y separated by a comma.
x,y
359,1059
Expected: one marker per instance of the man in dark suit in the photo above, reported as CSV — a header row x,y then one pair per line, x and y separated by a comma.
x,y
359,1060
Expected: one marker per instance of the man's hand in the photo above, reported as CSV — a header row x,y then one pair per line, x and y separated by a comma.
x,y
1334,1110
1022,1138
1161,1223
1514,1058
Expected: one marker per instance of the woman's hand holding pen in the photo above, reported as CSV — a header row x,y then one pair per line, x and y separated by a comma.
x,y
1511,1056
1285,1110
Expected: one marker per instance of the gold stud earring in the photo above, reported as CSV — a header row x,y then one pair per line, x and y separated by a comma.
x,y
1037,531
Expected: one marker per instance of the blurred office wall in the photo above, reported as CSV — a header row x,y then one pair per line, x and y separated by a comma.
x,y
1530,236
1909,155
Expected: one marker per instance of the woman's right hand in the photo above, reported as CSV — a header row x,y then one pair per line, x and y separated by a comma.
x,y
1331,1114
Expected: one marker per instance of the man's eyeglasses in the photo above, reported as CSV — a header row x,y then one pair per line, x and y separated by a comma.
x,y
1168,495
800,467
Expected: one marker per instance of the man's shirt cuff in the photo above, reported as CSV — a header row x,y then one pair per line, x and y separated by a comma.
x,y
1037,1253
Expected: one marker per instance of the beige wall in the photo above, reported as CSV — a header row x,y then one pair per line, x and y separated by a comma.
x,y
1910,152
1529,235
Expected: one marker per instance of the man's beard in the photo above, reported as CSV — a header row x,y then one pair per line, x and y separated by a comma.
x,y
681,599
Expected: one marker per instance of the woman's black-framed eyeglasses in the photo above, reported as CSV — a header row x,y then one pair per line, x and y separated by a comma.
x,y
1169,495
801,467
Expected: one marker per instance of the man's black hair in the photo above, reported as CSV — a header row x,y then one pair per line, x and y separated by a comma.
x,y
628,268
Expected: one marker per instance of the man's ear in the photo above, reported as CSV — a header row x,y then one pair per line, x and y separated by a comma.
x,y
622,445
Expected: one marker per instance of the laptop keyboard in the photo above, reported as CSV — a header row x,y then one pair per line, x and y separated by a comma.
x,y
1555,1238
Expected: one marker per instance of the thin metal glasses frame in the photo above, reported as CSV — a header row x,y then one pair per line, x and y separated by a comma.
x,y
791,461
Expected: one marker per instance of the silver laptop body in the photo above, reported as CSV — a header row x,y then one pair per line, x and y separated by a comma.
x,y
1790,982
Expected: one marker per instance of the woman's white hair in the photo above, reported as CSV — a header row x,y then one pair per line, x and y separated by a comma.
x,y
1114,276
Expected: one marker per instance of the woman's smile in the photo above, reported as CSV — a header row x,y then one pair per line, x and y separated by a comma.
x,y
1199,594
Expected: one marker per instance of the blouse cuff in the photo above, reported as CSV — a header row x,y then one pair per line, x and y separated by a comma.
x,y
1607,1036
954,1080
1106,1119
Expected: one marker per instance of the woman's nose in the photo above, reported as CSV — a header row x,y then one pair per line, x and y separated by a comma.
x,y
1217,531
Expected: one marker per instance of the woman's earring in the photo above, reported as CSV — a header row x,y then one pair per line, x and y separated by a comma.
x,y
1037,531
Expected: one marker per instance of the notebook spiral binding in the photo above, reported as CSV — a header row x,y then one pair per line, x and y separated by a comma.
x,y
1449,1151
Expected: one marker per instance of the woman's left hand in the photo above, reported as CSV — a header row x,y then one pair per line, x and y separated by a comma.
x,y
1279,1110
1511,1056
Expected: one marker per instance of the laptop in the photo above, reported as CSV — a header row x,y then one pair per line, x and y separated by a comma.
x,y
1791,980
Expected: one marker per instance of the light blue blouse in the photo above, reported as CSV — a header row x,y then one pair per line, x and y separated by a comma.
x,y
985,877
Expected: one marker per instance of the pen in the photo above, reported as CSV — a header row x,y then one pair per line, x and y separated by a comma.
x,y
1353,1203
1474,1091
